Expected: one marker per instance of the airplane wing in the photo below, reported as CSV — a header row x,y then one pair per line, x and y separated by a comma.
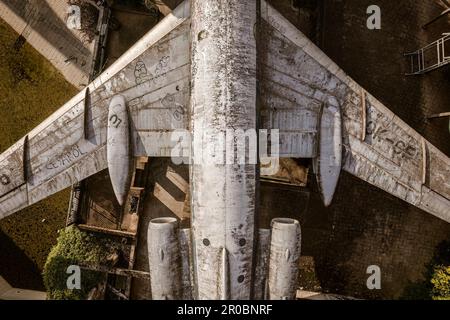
x,y
319,109
320,112
70,145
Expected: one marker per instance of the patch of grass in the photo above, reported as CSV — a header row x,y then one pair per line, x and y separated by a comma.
x,y
31,89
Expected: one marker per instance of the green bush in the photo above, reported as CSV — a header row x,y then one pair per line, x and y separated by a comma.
x,y
441,283
75,246
436,285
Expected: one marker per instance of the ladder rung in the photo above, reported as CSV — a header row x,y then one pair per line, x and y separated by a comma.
x,y
441,57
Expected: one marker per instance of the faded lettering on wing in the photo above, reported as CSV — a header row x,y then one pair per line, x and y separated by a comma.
x,y
170,102
400,148
66,158
5,180
143,74
115,120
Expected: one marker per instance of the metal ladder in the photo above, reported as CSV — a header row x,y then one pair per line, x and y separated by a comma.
x,y
431,57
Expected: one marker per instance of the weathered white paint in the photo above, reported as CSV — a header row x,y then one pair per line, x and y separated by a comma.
x,y
438,171
287,103
285,247
62,153
224,274
11,175
118,150
363,115
328,163
296,79
262,264
391,156
13,201
424,161
186,264
223,97
165,259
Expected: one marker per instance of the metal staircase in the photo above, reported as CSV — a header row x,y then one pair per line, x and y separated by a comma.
x,y
431,57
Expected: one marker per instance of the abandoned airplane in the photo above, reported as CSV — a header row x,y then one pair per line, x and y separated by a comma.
x,y
211,66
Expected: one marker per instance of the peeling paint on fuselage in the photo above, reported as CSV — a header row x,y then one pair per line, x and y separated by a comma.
x,y
223,97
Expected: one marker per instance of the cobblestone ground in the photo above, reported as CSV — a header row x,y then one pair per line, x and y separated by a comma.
x,y
375,58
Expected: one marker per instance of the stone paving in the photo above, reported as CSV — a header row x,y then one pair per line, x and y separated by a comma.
x,y
42,24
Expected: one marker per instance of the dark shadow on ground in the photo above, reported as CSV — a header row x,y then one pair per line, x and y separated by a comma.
x,y
44,18
18,270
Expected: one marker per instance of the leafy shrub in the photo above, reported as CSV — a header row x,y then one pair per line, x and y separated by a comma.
x,y
441,283
436,285
75,246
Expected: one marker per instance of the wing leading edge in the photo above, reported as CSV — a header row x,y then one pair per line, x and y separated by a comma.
x,y
318,109
153,77
378,147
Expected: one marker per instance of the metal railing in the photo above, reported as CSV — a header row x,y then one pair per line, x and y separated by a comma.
x,y
429,58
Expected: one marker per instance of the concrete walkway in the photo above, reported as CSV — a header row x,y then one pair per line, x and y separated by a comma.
x,y
42,24
7,292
